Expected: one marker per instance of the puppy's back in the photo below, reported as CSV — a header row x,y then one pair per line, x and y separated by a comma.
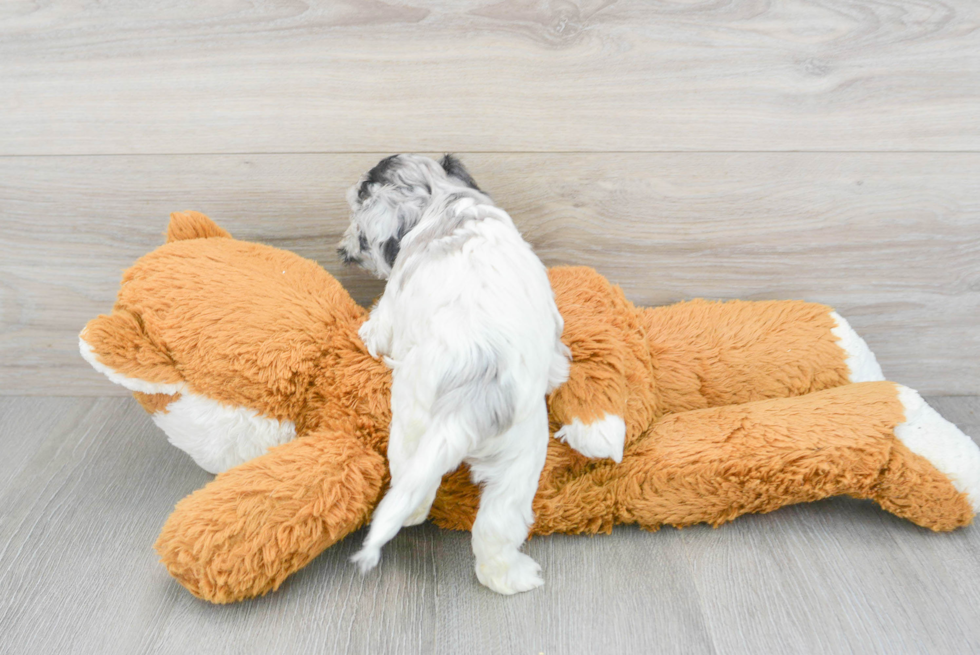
x,y
478,324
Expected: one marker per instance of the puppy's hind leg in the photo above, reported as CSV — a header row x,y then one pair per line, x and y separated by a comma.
x,y
403,440
436,455
510,481
420,513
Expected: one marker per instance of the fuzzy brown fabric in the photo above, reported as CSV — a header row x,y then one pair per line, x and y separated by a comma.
x,y
730,408
155,403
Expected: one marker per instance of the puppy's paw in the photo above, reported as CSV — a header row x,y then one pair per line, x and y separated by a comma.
x,y
602,438
510,575
367,558
369,332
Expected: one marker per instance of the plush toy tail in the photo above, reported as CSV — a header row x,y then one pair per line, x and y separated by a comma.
x,y
193,225
245,532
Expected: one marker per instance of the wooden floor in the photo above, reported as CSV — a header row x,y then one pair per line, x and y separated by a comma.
x,y
86,483
813,149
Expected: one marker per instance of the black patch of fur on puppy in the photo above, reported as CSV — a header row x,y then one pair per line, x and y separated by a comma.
x,y
345,256
391,248
455,168
375,176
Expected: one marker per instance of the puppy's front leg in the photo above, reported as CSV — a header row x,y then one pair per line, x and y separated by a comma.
x,y
376,332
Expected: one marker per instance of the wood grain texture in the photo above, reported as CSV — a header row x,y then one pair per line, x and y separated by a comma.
x,y
891,240
628,592
192,76
840,576
76,561
85,484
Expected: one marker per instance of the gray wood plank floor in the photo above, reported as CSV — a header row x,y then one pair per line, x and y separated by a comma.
x,y
85,483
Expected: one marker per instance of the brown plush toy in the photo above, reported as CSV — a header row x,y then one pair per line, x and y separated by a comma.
x,y
248,358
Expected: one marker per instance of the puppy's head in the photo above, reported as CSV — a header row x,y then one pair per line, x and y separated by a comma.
x,y
388,202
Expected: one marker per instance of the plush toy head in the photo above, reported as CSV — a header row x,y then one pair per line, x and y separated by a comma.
x,y
248,358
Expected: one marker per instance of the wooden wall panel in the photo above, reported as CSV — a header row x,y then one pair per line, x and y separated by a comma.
x,y
891,240
183,76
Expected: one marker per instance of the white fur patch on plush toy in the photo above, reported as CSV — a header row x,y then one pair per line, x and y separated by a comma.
x,y
601,438
219,436
928,434
216,436
861,362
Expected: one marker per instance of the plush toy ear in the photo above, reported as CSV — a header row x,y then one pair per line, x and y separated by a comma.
x,y
245,532
193,225
118,346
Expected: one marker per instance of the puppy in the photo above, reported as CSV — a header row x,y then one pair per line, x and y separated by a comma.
x,y
469,327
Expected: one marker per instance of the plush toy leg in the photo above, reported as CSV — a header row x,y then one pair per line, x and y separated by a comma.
x,y
690,355
254,525
872,440
862,366
603,336
710,354
603,437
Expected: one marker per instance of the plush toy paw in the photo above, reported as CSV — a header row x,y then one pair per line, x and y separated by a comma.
x,y
929,435
602,438
510,575
366,558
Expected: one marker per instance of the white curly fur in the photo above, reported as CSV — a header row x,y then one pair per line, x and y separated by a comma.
x,y
468,325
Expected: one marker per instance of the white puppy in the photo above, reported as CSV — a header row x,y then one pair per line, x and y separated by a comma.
x,y
469,327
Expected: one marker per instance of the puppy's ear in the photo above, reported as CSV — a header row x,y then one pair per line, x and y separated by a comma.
x,y
455,168
376,175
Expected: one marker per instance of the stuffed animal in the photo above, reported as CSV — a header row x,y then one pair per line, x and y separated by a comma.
x,y
248,358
